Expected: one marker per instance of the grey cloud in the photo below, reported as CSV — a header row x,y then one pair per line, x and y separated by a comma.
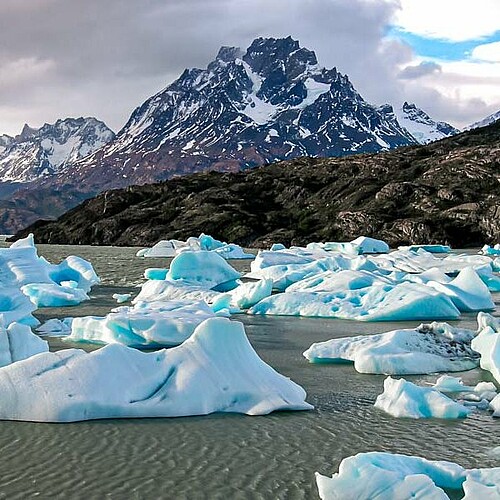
x,y
423,69
90,57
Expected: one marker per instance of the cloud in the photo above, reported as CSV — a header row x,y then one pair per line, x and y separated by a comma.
x,y
454,20
94,58
487,52
419,70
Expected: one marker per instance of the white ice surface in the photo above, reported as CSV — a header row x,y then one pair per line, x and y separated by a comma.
x,y
405,399
215,370
436,347
18,342
388,476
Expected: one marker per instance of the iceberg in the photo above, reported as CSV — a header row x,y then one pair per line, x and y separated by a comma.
x,y
467,291
446,384
122,297
171,248
155,273
202,268
215,370
381,475
162,324
370,245
53,295
427,248
405,301
404,399
491,250
430,348
18,342
487,343
45,284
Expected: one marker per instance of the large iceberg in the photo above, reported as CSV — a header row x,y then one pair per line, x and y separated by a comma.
x,y
435,347
380,475
161,324
405,301
215,370
18,342
404,399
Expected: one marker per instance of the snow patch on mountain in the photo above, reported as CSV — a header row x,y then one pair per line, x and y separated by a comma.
x,y
421,125
485,121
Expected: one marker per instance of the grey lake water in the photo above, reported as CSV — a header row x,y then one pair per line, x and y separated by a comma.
x,y
230,456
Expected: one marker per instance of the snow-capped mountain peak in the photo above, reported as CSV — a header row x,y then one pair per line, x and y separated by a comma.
x,y
270,102
485,121
421,125
40,152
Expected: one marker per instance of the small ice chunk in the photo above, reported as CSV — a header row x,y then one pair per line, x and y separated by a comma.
x,y
18,342
404,399
122,297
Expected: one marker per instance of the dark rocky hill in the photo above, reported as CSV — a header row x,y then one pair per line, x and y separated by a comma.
x,y
446,192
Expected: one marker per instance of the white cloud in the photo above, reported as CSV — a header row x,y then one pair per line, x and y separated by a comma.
x,y
454,20
487,52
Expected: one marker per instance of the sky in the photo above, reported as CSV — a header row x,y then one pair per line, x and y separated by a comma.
x,y
62,58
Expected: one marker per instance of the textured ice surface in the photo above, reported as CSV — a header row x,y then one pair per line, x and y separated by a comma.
x,y
201,268
215,370
160,324
18,342
44,283
405,301
171,248
427,349
404,399
386,476
53,295
487,343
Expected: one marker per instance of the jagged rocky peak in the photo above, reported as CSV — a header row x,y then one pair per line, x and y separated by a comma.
x,y
421,126
229,54
38,152
279,58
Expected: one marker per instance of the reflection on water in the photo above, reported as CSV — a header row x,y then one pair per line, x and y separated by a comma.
x,y
230,456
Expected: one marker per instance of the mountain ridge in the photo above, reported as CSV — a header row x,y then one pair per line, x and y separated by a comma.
x,y
443,192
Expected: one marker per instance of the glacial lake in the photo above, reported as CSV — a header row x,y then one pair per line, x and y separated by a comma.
x,y
231,456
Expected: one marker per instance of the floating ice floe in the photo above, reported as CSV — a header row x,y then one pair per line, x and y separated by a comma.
x,y
427,248
405,301
203,268
449,384
41,283
435,347
381,475
215,370
487,343
122,297
171,248
18,342
491,250
161,324
404,399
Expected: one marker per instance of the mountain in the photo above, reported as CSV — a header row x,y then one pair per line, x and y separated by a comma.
x,y
421,126
247,108
443,192
36,153
485,121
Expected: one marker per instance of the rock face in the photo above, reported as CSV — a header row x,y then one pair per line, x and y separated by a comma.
x,y
445,192
247,108
421,125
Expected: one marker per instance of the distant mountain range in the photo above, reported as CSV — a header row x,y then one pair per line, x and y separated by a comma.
x,y
247,108
443,192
